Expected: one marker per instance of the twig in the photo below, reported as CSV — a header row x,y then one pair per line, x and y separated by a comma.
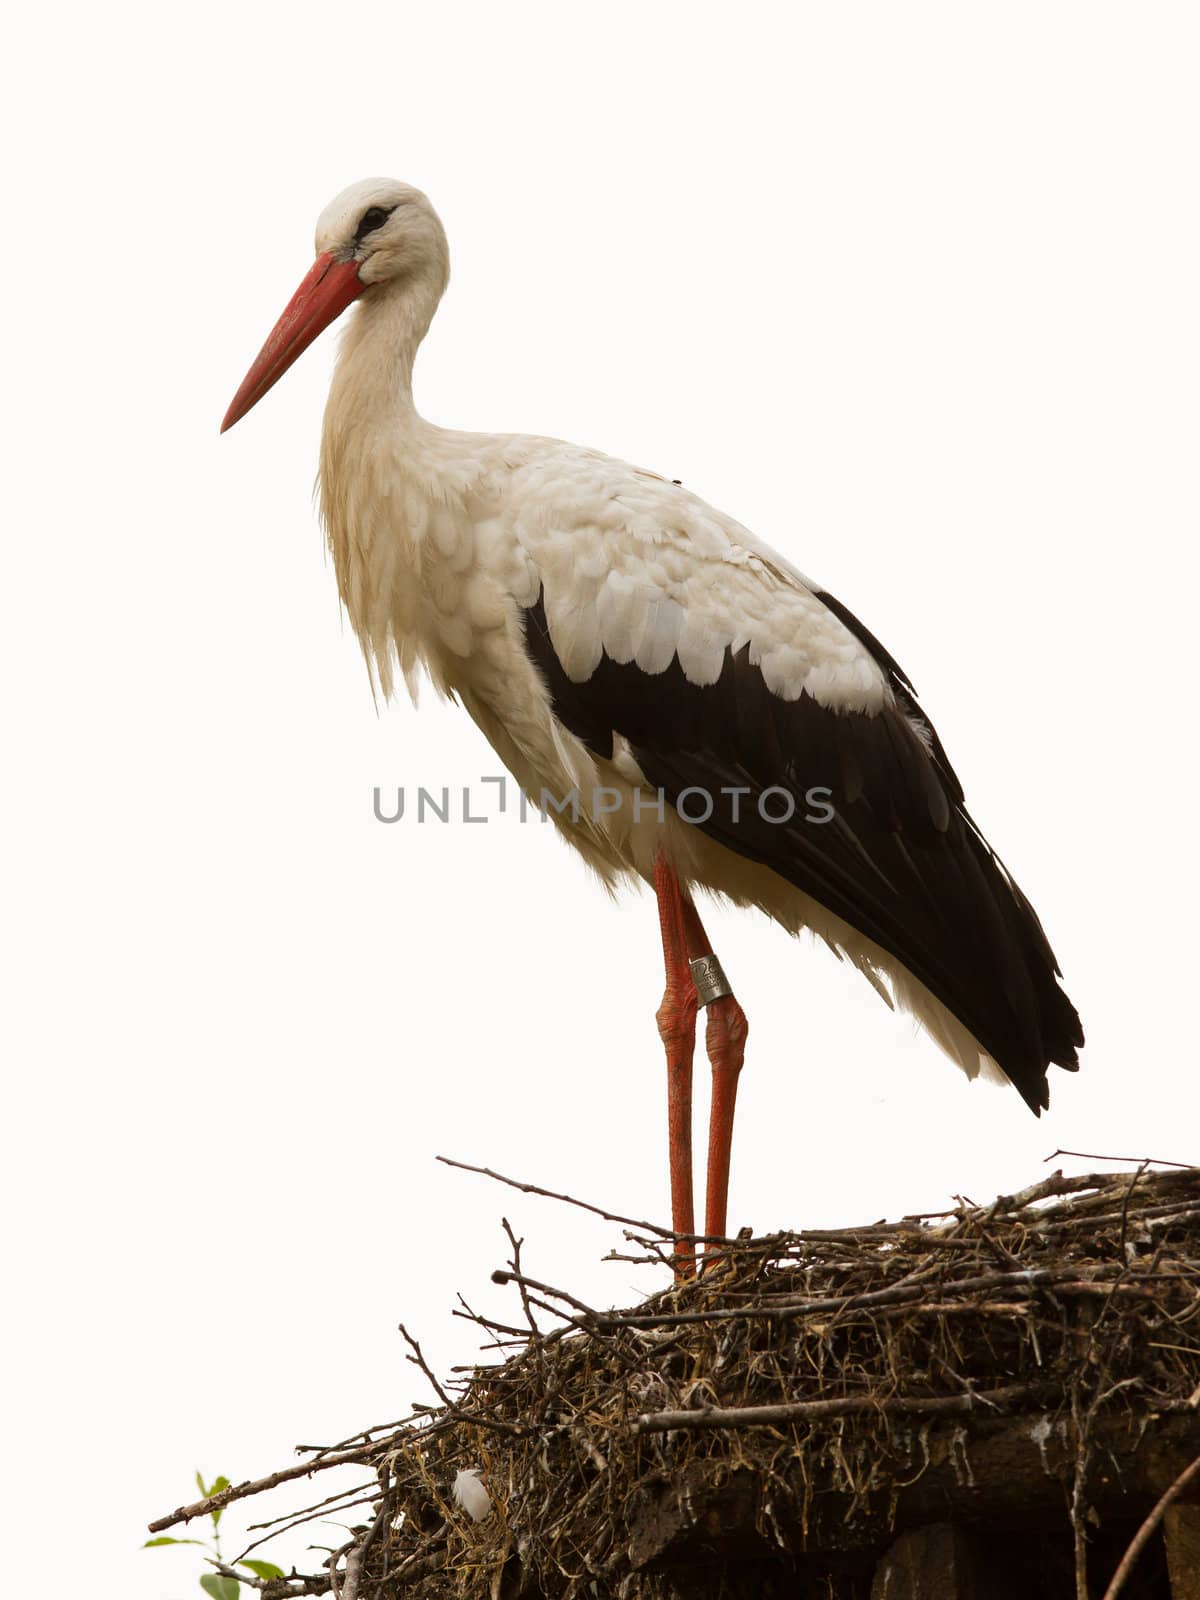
x,y
363,1436
1049,1222
456,1412
354,1561
1108,1290
419,1360
1082,1431
361,1494
1125,1210
1142,1537
502,1277
814,1410
565,1316
274,1588
287,1526
421,1562
516,1266
1055,1184
488,1324
597,1211
239,1491
1149,1161
963,1308
514,1335
335,1582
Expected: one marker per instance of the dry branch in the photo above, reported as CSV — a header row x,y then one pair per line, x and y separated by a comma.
x,y
820,1410
252,1486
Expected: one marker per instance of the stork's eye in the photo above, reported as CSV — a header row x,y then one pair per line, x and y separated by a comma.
x,y
372,219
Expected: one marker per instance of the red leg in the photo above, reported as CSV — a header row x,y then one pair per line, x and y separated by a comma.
x,y
677,1029
725,1040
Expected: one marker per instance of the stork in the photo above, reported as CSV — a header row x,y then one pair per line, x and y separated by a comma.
x,y
701,715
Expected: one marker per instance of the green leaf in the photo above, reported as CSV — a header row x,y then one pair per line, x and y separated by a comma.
x,y
165,1538
215,1487
264,1569
200,1484
220,1588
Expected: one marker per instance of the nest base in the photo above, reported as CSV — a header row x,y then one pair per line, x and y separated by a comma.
x,y
997,1401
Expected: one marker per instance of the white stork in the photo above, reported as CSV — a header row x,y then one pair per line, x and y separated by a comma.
x,y
717,720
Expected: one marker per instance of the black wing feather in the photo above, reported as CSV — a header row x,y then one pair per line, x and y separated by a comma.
x,y
901,861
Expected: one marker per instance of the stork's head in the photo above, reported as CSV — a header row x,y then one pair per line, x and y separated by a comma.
x,y
387,229
375,233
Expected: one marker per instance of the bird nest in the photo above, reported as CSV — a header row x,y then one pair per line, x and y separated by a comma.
x,y
1031,1364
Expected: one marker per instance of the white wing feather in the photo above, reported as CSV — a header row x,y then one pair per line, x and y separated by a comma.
x,y
639,569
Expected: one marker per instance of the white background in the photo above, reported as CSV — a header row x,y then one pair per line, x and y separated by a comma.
x,y
911,290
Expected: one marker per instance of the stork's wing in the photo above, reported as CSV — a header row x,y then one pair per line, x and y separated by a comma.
x,y
785,703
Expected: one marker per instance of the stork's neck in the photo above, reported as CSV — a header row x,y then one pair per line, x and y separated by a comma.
x,y
372,383
384,475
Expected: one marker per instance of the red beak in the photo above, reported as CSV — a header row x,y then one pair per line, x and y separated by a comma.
x,y
325,293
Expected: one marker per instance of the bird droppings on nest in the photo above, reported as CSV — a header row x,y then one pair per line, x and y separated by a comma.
x,y
1030,1367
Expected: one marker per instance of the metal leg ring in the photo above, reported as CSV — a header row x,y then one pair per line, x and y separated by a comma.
x,y
709,977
